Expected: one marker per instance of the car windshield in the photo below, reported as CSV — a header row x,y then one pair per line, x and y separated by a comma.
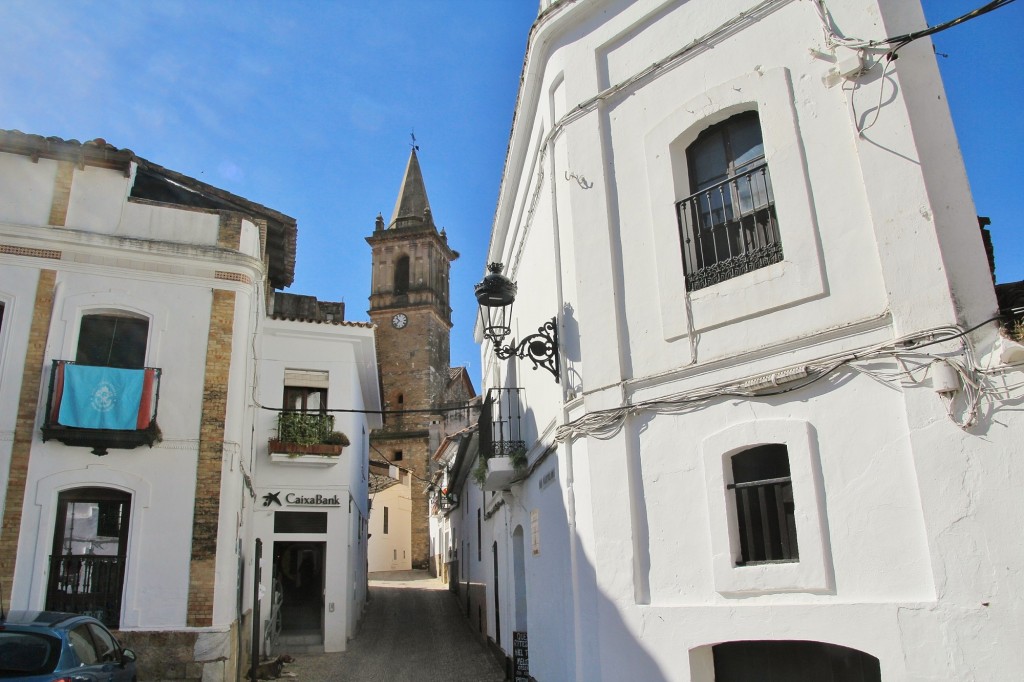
x,y
27,653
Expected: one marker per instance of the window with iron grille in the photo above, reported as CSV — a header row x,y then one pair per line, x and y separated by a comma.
x,y
90,550
764,505
727,227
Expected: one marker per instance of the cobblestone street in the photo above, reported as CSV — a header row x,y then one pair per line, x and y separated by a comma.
x,y
412,630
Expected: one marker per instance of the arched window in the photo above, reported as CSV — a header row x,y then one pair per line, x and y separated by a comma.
x,y
727,226
90,543
113,340
402,275
764,505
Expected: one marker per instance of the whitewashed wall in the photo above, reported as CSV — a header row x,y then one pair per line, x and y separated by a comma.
x,y
901,540
390,551
346,355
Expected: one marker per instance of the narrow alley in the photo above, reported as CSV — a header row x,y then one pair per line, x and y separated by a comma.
x,y
412,630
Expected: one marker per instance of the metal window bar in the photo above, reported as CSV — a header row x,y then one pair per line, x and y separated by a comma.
x,y
765,535
87,584
729,228
506,421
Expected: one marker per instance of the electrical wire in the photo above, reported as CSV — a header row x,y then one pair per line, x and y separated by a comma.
x,y
895,43
889,46
974,384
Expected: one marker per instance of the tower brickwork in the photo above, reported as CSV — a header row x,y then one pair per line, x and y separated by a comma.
x,y
409,304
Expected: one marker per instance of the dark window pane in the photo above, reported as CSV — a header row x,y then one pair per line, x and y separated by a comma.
x,y
112,341
402,275
304,399
745,143
708,160
762,462
765,512
300,522
24,654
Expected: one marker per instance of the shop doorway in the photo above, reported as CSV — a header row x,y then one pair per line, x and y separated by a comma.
x,y
299,569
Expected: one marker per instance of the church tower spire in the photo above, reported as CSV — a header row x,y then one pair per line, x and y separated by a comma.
x,y
409,306
412,207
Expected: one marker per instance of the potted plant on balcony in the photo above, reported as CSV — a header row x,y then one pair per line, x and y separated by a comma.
x,y
302,433
500,471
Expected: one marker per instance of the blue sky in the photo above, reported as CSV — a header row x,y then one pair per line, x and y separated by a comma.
x,y
307,107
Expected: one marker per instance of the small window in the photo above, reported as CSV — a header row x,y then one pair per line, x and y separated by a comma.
x,y
305,399
396,456
385,520
112,341
764,505
402,275
727,226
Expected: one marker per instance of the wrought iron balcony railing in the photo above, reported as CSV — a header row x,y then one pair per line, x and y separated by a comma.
x,y
501,422
87,584
102,407
304,428
729,229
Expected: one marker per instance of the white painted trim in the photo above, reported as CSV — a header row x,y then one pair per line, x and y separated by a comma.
x,y
813,572
801,275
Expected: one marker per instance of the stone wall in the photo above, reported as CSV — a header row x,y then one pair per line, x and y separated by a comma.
x,y
162,656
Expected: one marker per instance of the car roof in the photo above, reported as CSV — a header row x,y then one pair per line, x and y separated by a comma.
x,y
44,618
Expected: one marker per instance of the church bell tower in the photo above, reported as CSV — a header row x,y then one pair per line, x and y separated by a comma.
x,y
409,304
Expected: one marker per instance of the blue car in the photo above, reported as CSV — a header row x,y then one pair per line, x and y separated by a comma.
x,y
46,646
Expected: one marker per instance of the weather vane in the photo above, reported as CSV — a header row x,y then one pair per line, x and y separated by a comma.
x,y
415,146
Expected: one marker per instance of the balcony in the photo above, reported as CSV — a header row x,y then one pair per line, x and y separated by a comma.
x,y
87,584
502,449
102,407
729,229
307,438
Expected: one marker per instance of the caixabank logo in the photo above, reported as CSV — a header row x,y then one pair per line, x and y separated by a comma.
x,y
301,500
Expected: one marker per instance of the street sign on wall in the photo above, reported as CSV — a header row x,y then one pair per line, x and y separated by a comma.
x,y
520,658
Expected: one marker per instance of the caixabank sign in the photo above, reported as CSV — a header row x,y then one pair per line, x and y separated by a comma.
x,y
289,498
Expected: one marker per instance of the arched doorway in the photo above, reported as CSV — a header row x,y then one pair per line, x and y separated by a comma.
x,y
519,567
793,661
90,545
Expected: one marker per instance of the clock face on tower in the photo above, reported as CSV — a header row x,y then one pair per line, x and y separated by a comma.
x,y
399,320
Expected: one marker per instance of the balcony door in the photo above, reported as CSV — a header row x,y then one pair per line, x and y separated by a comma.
x,y
90,544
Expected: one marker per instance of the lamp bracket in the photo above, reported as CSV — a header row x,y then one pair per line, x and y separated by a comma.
x,y
540,348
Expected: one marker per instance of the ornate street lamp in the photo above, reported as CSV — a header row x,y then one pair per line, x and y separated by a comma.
x,y
496,294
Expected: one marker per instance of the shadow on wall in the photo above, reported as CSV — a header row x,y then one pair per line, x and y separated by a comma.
x,y
601,622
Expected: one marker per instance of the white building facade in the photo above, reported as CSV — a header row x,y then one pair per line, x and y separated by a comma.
x,y
140,383
391,525
782,436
